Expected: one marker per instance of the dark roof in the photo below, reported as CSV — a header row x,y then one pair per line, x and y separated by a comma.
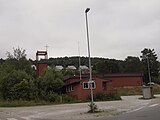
x,y
102,76
72,82
121,75
75,77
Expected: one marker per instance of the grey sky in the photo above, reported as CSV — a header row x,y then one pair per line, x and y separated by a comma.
x,y
117,28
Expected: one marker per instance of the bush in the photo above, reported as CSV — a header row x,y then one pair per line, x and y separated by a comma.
x,y
53,97
68,99
93,108
106,97
17,85
21,103
56,98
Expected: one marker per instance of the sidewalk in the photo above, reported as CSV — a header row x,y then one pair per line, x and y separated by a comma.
x,y
78,111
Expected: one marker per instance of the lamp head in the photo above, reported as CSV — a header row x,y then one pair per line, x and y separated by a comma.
x,y
87,10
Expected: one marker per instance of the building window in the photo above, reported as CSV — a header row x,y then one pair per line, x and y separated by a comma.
x,y
104,85
93,85
69,88
86,85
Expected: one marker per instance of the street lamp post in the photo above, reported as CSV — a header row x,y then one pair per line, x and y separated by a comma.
x,y
149,74
90,69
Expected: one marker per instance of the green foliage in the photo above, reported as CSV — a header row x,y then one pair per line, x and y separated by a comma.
x,y
60,98
21,103
16,77
133,65
51,80
106,97
54,99
156,79
93,108
17,85
149,57
49,84
67,99
106,66
18,82
1,61
18,53
13,64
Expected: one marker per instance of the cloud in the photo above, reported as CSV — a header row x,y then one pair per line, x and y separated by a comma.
x,y
117,28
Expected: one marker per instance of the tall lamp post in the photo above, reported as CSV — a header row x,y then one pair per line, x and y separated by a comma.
x,y
89,57
149,74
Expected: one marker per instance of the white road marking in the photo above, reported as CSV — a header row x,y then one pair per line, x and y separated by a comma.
x,y
138,109
11,119
153,105
26,118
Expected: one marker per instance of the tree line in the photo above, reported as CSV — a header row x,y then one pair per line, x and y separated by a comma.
x,y
18,80
147,62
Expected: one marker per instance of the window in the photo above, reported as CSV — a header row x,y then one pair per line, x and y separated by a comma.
x,y
69,88
93,85
85,85
104,85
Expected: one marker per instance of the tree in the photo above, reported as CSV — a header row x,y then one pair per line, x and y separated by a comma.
x,y
49,83
18,53
150,64
16,85
18,61
16,75
1,61
106,66
132,65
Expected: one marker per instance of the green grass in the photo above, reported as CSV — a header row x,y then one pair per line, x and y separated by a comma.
x,y
22,103
106,97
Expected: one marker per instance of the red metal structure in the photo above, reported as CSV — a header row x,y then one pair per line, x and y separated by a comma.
x,y
41,65
41,53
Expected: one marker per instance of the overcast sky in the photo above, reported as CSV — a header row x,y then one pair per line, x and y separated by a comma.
x,y
117,28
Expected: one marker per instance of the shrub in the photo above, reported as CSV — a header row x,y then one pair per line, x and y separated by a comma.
x,y
106,97
93,108
53,97
67,99
17,85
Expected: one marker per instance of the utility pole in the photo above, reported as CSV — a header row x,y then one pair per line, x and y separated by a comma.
x,y
46,57
79,61
89,57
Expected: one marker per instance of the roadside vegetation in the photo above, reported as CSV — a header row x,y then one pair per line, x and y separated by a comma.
x,y
19,85
105,97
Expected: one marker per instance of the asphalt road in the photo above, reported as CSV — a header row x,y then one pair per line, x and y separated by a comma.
x,y
151,112
129,108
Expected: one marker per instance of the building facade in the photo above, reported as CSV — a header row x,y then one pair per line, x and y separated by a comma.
x,y
108,83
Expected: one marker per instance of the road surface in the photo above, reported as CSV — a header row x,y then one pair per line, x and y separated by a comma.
x,y
150,112
129,106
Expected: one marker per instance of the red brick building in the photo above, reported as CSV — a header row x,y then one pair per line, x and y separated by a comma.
x,y
80,90
41,66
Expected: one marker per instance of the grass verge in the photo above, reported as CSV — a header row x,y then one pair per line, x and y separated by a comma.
x,y
22,103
